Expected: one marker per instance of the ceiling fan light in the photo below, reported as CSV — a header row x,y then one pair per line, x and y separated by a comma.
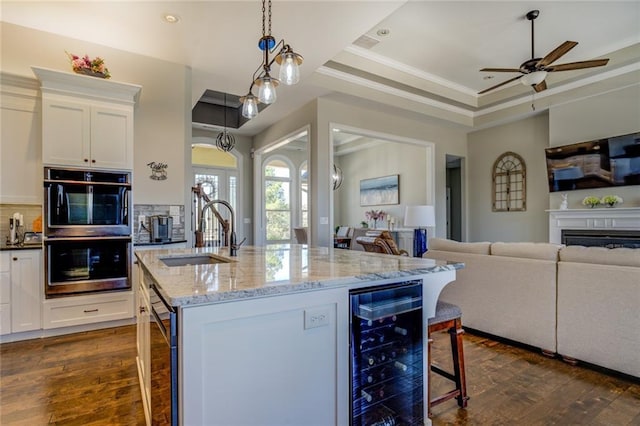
x,y
533,78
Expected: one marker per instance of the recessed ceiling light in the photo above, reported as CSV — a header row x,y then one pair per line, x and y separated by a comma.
x,y
171,18
382,32
487,77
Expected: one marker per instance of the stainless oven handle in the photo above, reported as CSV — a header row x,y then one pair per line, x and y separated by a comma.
x,y
97,238
81,182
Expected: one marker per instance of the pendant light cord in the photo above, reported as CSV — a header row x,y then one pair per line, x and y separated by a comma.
x,y
264,33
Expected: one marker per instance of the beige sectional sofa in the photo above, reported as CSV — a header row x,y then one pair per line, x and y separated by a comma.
x,y
579,302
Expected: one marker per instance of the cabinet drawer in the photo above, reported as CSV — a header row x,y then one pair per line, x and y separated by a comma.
x,y
79,310
5,318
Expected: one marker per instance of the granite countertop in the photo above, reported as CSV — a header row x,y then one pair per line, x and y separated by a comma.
x,y
5,246
158,243
275,269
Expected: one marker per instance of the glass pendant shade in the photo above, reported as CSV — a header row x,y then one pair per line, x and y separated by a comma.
x,y
249,106
289,69
267,89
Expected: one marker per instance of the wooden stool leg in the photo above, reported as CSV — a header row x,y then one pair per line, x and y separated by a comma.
x,y
457,352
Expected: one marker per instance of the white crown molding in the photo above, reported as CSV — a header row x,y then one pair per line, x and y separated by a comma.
x,y
350,78
383,60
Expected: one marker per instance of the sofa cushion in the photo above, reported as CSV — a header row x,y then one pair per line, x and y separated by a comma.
x,y
543,251
616,256
450,245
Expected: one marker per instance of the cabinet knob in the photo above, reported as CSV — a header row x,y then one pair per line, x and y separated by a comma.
x,y
15,258
86,160
93,161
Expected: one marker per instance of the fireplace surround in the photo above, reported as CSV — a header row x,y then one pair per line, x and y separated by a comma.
x,y
620,223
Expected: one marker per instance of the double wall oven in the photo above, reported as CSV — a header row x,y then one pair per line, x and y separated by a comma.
x,y
87,227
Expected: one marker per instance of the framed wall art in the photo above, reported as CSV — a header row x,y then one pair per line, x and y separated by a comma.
x,y
380,190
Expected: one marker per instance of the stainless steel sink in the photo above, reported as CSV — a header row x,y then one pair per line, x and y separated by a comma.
x,y
193,259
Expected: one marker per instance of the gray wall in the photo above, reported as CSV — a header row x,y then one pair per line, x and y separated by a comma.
x,y
528,138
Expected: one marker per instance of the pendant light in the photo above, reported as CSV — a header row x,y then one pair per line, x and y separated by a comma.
x,y
225,140
288,60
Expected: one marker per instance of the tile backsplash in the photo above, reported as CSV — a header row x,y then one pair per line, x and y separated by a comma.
x,y
141,235
30,212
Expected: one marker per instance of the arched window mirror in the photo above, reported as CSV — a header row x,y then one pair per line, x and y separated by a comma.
x,y
509,183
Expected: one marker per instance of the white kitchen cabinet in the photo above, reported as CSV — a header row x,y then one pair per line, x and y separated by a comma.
x,y
86,121
87,309
269,350
25,288
5,292
143,310
86,135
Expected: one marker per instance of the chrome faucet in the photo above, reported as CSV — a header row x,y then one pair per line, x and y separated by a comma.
x,y
233,245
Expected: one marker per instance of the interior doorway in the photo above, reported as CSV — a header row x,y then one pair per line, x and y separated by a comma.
x,y
455,198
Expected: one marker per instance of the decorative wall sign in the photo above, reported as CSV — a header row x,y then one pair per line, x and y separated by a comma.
x,y
381,190
158,170
509,183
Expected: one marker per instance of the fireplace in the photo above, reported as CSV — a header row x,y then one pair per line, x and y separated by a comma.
x,y
601,238
620,225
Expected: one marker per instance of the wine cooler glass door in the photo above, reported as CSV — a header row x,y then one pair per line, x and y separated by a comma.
x,y
387,356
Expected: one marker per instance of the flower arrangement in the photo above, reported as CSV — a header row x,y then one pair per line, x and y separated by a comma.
x,y
375,215
590,201
85,65
611,200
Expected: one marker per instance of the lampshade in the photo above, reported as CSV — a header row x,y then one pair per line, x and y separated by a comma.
x,y
249,106
420,216
533,78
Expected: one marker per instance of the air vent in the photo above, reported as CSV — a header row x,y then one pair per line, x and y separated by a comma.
x,y
366,42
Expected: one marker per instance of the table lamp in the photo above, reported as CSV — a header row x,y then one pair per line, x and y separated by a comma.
x,y
420,216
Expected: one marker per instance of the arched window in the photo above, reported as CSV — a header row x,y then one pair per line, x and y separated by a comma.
x,y
277,199
217,171
509,183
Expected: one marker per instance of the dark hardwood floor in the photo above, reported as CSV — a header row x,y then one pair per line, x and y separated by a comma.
x,y
91,379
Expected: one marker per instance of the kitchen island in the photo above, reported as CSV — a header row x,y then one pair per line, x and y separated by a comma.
x,y
263,338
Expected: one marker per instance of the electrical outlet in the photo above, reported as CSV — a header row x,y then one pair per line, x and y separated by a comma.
x,y
317,317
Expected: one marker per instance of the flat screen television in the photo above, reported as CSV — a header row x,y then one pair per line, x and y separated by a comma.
x,y
599,163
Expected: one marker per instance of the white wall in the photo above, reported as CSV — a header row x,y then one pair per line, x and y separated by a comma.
x,y
609,114
528,138
387,158
162,117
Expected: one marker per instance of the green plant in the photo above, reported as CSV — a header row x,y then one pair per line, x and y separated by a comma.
x,y
611,200
590,201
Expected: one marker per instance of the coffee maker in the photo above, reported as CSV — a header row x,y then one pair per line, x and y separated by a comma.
x,y
161,227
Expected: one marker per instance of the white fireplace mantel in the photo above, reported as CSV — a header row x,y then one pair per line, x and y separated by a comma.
x,y
616,218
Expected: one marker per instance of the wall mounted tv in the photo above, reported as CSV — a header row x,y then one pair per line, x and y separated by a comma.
x,y
600,163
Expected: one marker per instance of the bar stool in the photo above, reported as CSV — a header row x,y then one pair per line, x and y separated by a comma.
x,y
448,317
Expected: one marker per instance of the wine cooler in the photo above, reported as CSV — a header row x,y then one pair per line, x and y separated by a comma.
x,y
387,356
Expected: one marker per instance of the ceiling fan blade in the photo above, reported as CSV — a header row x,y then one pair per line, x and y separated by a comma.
x,y
500,69
540,86
578,65
498,85
557,53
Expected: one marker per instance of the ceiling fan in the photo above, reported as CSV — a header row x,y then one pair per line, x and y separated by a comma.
x,y
534,71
